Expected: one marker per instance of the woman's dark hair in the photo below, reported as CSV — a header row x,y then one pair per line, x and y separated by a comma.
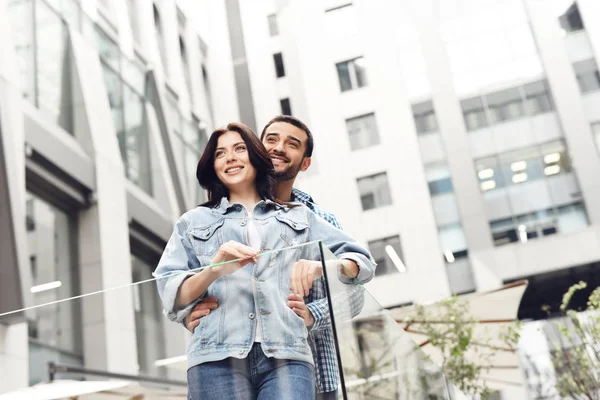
x,y
259,158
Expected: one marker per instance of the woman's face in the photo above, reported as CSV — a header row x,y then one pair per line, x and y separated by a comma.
x,y
232,162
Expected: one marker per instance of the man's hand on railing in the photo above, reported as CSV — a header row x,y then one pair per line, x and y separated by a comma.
x,y
296,303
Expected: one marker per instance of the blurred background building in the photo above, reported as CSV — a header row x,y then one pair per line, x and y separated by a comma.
x,y
462,136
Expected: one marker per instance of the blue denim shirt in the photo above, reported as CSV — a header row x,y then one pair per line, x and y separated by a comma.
x,y
256,291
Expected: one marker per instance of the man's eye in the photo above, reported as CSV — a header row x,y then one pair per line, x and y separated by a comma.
x,y
270,140
294,145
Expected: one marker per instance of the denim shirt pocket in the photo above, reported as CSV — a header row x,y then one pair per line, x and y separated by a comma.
x,y
292,232
207,240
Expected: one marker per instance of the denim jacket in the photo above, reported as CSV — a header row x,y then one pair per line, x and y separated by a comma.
x,y
257,291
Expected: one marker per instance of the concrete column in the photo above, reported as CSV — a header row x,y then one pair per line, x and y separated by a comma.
x,y
453,130
567,99
15,279
104,254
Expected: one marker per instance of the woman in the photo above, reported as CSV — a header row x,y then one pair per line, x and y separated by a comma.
x,y
253,346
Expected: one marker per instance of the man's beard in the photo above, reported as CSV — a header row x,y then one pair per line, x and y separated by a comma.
x,y
288,174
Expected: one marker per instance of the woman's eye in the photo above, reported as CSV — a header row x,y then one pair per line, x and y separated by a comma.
x,y
219,154
240,148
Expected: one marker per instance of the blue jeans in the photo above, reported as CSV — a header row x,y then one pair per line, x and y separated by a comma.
x,y
254,377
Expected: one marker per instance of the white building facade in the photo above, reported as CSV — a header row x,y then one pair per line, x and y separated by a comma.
x,y
463,133
105,109
463,136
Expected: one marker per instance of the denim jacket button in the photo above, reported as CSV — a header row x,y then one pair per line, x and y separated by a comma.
x,y
241,351
243,223
251,315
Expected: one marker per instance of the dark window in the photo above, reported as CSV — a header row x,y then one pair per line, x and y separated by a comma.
x,y
374,191
571,21
438,178
352,74
587,75
474,113
441,186
538,98
362,131
381,254
539,223
505,105
279,68
424,115
286,107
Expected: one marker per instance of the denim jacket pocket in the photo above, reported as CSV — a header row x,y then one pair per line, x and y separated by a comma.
x,y
292,232
207,239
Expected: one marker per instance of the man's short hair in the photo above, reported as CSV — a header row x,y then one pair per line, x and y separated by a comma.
x,y
288,119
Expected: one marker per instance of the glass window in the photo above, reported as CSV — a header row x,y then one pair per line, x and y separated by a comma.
x,y
387,253
505,105
273,28
522,228
114,89
286,107
452,240
53,85
572,217
537,98
489,174
523,165
134,74
571,21
362,131
22,31
54,330
555,158
596,133
352,74
587,75
108,49
136,146
279,68
438,178
474,113
424,115
129,119
374,191
148,320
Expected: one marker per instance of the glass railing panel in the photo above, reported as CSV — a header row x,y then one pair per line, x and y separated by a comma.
x,y
113,329
378,359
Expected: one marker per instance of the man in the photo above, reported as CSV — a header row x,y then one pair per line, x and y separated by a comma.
x,y
290,145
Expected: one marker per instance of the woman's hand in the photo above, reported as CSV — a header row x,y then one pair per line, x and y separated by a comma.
x,y
232,251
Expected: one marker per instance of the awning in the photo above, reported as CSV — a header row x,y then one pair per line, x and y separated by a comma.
x,y
492,311
70,389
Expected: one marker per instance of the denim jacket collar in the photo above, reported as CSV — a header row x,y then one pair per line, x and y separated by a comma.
x,y
224,206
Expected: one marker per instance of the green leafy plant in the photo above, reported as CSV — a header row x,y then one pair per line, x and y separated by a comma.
x,y
466,347
576,351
